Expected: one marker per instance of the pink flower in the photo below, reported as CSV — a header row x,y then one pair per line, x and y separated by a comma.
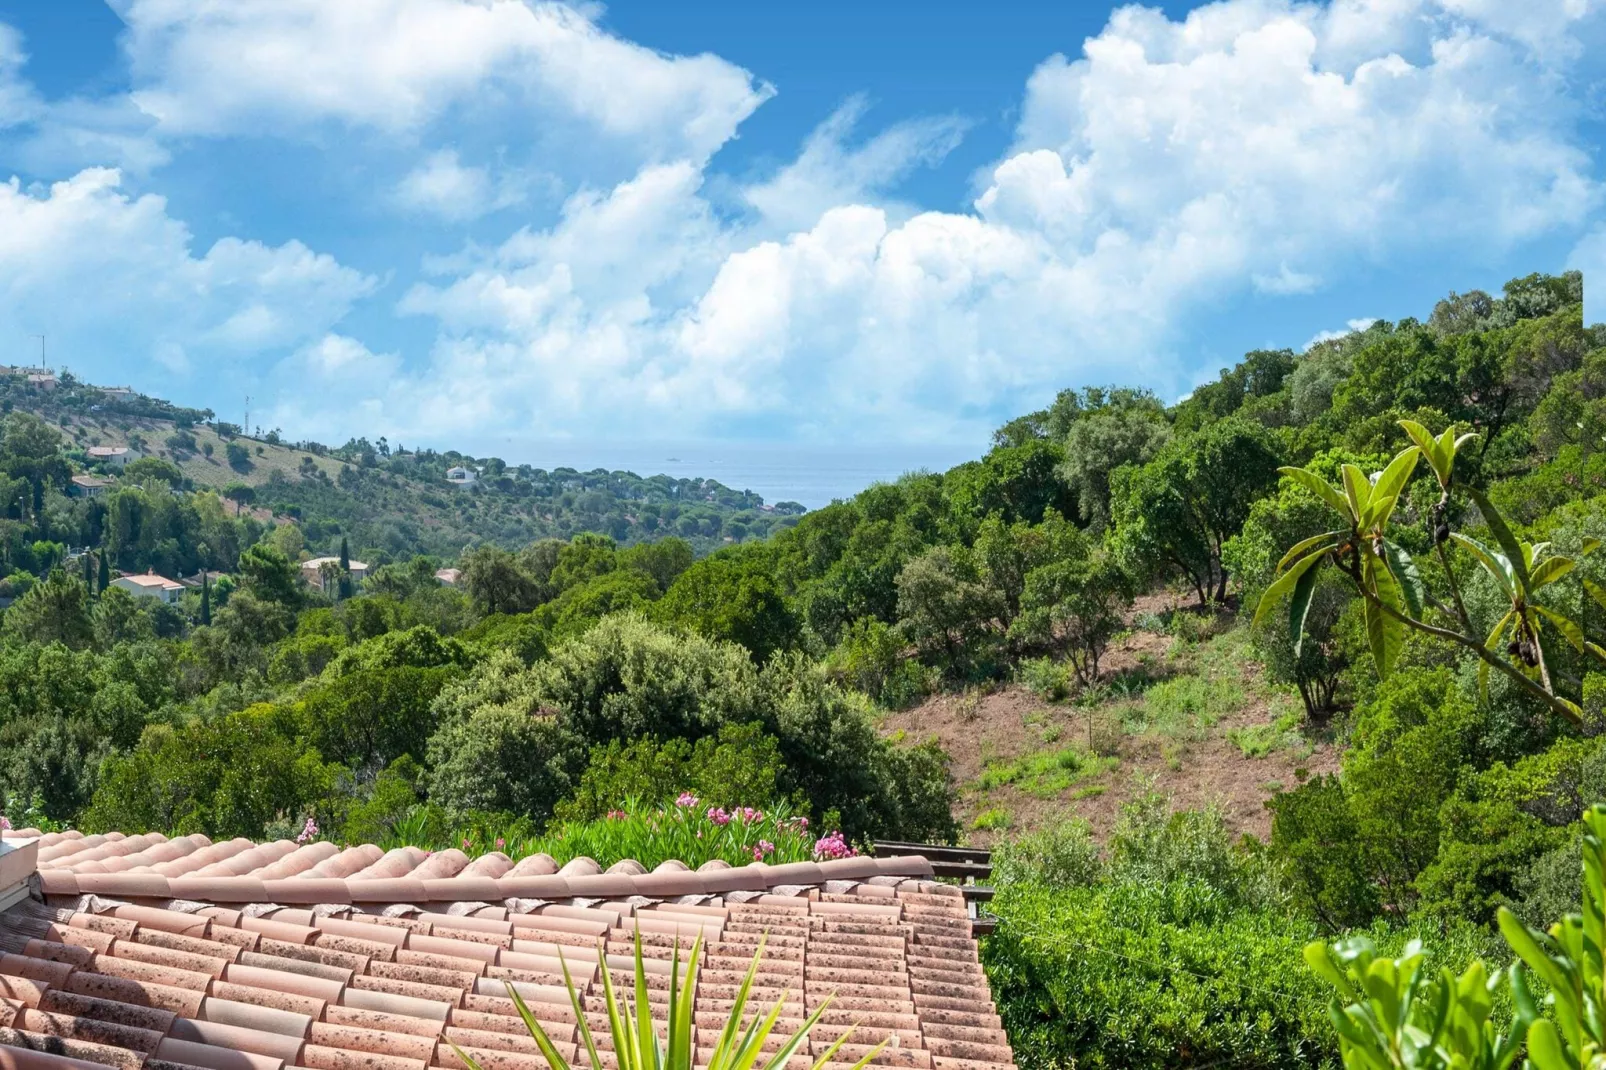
x,y
500,843
686,801
617,815
309,832
5,823
764,847
833,845
718,816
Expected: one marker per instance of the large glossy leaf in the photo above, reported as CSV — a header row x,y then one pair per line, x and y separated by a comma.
x,y
1497,565
1284,584
1568,628
1299,607
1386,491
1597,592
1412,589
1509,543
1384,633
1321,488
1492,644
1438,459
1549,571
1326,540
1357,491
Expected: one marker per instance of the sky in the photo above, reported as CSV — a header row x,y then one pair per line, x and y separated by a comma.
x,y
481,224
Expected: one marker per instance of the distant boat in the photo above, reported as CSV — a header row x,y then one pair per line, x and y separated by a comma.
x,y
673,460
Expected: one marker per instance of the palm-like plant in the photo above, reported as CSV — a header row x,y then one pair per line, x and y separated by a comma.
x,y
636,1041
1395,597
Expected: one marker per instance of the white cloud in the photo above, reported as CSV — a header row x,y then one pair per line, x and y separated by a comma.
x,y
828,172
1350,327
85,263
1590,257
233,66
441,186
1254,145
18,102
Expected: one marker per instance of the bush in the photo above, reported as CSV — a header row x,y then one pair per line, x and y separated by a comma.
x,y
1048,679
1063,855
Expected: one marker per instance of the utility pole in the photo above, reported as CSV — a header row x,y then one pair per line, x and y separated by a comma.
x,y
246,430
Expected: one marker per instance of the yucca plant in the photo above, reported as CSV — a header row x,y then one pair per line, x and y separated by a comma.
x,y
636,1042
1395,598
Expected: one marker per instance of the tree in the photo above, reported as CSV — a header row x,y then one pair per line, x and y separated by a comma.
x,y
55,611
733,596
103,578
1118,427
1177,511
345,569
119,618
206,599
1075,604
239,457
266,574
241,494
496,584
946,611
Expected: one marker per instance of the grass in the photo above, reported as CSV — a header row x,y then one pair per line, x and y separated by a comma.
x,y
1259,740
995,819
1045,774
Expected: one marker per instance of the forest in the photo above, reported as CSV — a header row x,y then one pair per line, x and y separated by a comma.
x,y
1397,528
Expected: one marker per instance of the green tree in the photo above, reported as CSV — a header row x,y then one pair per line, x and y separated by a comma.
x,y
733,596
55,611
241,494
947,612
1117,427
269,576
119,618
496,583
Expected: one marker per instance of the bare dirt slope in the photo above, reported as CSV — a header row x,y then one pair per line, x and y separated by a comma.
x,y
1193,716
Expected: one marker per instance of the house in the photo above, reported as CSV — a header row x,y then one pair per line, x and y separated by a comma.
x,y
118,391
87,486
150,585
449,576
461,476
312,571
43,380
114,456
210,576
420,948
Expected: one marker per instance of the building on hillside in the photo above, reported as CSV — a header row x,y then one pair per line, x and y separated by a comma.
x,y
461,476
449,576
150,585
87,486
233,955
43,380
194,582
313,572
118,391
114,456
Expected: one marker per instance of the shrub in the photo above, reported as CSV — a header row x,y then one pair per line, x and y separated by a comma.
x,y
1063,855
1048,679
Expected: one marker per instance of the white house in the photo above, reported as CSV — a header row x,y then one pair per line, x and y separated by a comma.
x,y
312,570
461,476
86,486
150,585
449,576
116,456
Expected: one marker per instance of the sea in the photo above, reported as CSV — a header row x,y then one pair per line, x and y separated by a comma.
x,y
813,475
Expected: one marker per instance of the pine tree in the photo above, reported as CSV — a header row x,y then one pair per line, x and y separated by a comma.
x,y
206,600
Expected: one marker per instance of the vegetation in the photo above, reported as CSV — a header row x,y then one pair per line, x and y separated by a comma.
x,y
1385,547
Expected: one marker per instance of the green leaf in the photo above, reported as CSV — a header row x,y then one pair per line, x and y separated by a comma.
x,y
1502,535
1321,488
1357,492
1284,584
1597,592
1385,634
1491,644
1497,565
1407,576
1300,548
1573,633
1438,458
1549,571
1545,1050
1299,607
1388,487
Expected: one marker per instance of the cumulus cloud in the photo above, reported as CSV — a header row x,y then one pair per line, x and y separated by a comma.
x,y
1255,145
18,102
442,186
231,66
125,269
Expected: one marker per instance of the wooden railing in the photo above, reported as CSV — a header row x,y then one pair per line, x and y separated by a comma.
x,y
968,864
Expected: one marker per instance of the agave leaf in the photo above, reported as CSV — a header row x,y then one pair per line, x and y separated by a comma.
x,y
1304,546
1321,488
1407,576
549,1051
1284,584
1549,571
1385,634
1502,534
1357,492
1386,492
1497,565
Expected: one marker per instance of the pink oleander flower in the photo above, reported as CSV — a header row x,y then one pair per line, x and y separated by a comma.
x,y
467,843
500,843
5,823
309,832
617,815
686,801
833,845
718,816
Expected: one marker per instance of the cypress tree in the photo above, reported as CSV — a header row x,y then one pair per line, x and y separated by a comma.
x,y
89,573
206,600
105,572
344,588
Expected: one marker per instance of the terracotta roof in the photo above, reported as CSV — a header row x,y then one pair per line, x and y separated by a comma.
x,y
145,953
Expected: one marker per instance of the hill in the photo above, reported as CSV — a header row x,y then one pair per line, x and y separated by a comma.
x,y
392,505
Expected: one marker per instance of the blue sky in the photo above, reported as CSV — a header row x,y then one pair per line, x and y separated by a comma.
x,y
460,222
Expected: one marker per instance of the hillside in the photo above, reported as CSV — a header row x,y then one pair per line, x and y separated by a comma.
x,y
392,506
